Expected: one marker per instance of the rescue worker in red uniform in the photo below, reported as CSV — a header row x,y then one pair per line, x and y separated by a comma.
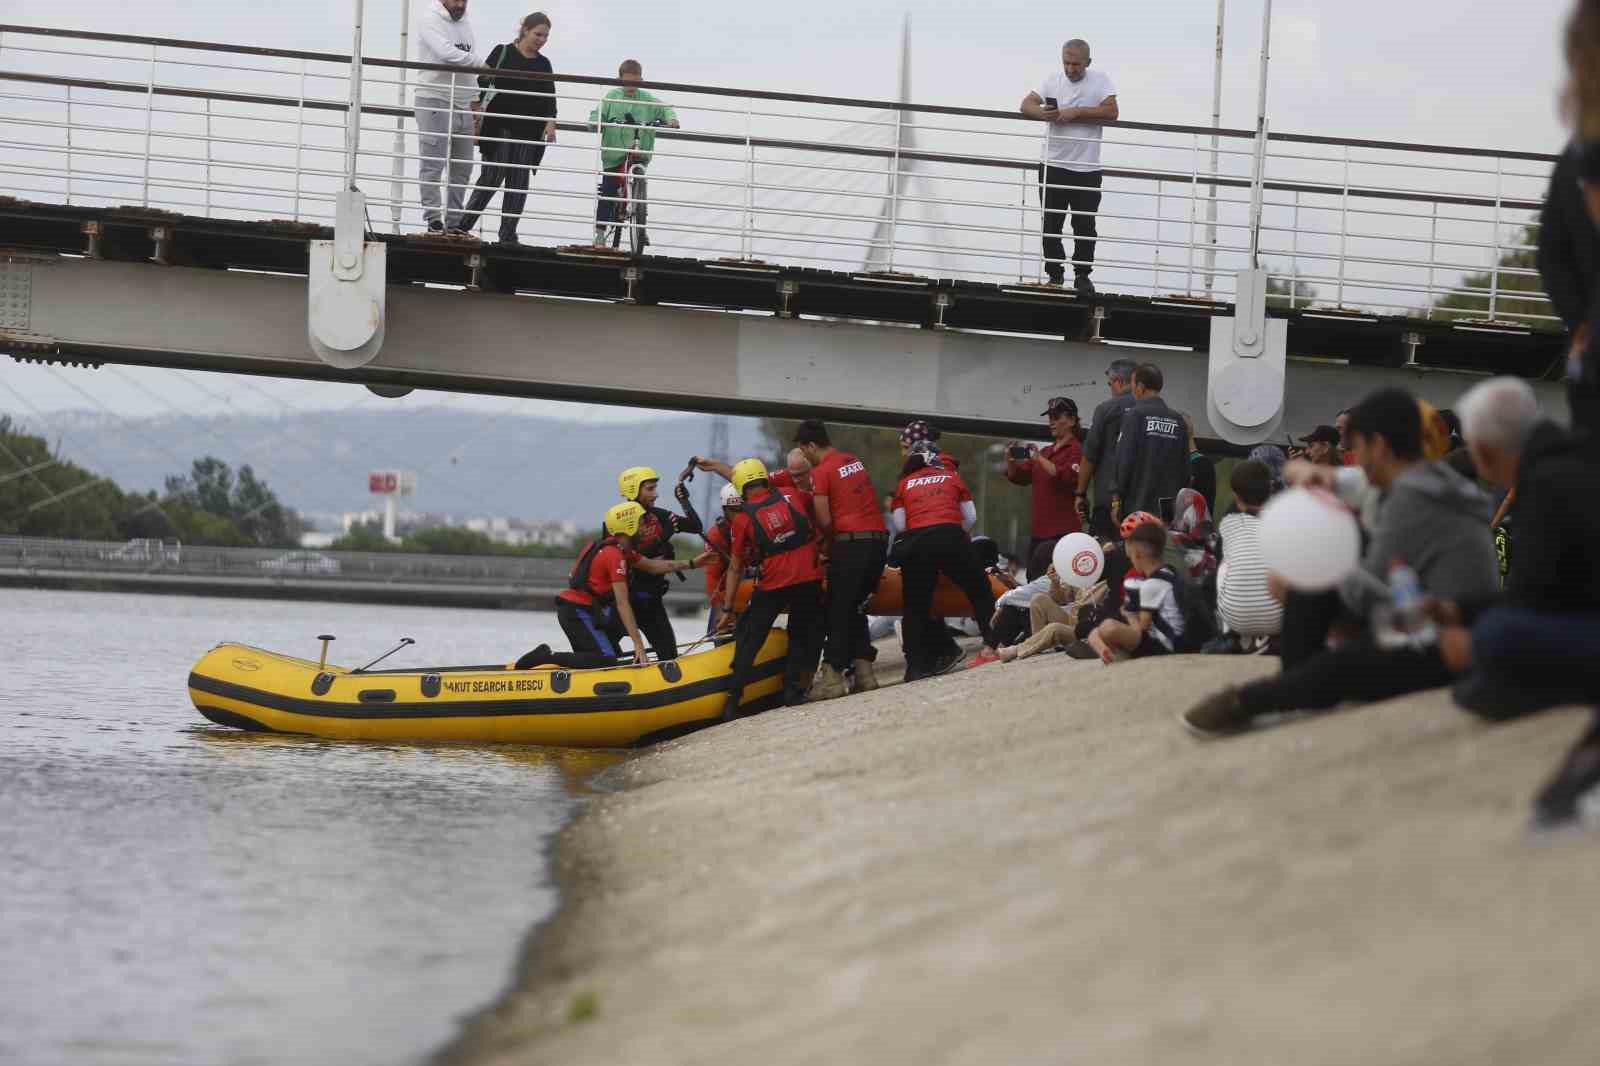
x,y
595,610
772,528
934,508
657,527
857,546
719,540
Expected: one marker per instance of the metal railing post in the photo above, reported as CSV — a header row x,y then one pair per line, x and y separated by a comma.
x,y
1294,250
894,186
1494,270
747,237
1433,254
1194,195
1022,226
1156,278
208,157
398,169
149,115
69,146
299,139
1344,226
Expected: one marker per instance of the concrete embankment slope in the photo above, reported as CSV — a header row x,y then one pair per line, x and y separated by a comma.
x,y
1034,863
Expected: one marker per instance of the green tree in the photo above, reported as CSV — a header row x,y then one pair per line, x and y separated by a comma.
x,y
210,506
1473,304
43,495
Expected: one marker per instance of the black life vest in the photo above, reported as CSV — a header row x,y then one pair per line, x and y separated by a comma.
x,y
578,580
779,525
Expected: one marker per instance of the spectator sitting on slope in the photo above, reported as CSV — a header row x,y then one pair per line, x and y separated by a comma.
x,y
1247,611
1430,517
1152,610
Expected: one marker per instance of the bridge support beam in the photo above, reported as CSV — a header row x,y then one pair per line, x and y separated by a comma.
x,y
647,357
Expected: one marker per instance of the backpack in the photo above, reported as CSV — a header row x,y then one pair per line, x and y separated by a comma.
x,y
578,580
776,532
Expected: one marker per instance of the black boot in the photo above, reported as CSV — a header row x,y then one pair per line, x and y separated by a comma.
x,y
1557,803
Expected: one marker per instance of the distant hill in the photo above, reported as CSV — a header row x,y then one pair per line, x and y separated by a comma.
x,y
468,463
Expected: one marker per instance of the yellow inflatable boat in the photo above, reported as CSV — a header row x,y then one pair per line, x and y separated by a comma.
x,y
616,707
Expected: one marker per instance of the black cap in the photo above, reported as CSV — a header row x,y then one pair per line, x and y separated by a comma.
x,y
1060,405
1324,434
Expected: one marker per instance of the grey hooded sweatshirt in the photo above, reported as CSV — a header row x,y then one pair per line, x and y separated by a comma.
x,y
1437,522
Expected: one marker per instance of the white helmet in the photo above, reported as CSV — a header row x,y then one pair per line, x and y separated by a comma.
x,y
731,497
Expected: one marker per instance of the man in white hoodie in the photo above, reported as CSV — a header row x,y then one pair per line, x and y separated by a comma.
x,y
446,106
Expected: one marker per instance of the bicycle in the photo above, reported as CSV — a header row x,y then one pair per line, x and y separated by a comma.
x,y
631,207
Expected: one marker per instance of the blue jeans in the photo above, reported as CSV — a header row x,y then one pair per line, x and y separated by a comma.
x,y
1539,649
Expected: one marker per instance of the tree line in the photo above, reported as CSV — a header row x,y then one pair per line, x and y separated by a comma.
x,y
42,494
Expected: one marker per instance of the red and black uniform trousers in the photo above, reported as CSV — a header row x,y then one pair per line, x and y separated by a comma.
x,y
929,552
801,600
647,592
855,563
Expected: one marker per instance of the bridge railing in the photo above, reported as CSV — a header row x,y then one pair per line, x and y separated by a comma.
x,y
760,177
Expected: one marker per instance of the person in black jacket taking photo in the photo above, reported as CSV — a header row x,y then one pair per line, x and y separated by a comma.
x,y
518,120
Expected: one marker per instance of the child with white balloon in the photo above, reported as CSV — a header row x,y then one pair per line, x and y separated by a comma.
x,y
1152,620
1077,563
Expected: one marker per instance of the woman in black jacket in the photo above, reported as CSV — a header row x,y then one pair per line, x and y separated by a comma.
x,y
519,119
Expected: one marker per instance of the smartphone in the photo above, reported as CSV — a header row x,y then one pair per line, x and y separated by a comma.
x,y
1018,452
1050,102
1165,506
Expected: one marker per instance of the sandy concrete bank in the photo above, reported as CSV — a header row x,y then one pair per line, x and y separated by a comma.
x,y
1034,863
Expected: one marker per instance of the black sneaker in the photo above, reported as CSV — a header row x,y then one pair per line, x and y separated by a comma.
x,y
1082,285
1055,277
511,239
436,228
1560,802
1220,715
949,661
1080,649
1227,644
913,674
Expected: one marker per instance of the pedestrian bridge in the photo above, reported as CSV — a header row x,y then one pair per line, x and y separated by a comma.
x,y
861,259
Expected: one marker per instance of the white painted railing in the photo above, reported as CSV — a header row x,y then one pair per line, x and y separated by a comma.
x,y
240,133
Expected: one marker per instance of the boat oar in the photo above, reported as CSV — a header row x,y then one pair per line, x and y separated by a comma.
x,y
403,642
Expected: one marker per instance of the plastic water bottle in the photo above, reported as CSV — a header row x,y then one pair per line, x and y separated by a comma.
x,y
1406,622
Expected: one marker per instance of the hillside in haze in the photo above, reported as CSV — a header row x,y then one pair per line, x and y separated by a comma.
x,y
468,463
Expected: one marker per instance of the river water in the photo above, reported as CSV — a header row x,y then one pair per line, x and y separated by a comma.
x,y
175,892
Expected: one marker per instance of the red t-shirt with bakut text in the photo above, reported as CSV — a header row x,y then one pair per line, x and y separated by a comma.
x,y
609,566
931,497
786,568
852,501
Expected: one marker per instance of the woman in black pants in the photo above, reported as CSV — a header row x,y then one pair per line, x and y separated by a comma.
x,y
519,119
934,509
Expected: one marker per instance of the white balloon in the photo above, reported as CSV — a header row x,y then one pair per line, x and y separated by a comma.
x,y
1079,560
1309,539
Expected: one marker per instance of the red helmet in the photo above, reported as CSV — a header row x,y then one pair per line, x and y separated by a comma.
x,y
1135,520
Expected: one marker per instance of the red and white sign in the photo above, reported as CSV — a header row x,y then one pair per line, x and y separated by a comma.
x,y
392,483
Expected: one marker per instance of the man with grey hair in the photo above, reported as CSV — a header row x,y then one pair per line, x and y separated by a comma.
x,y
1538,646
1074,101
1101,447
446,110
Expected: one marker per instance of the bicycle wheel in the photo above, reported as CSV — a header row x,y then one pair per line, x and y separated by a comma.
x,y
636,211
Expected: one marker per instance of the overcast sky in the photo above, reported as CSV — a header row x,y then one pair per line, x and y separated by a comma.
x,y
1469,72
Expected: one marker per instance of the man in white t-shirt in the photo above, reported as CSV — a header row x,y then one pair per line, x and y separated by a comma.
x,y
1074,101
447,105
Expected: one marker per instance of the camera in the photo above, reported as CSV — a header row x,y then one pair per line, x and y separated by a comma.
x,y
1019,452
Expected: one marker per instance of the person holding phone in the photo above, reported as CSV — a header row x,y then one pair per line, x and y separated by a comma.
x,y
1074,101
1052,473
